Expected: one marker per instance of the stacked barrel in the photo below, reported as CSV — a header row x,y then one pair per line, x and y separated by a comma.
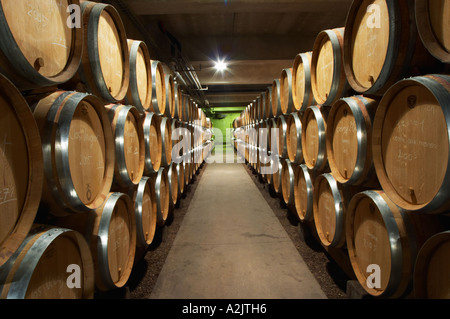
x,y
87,173
362,151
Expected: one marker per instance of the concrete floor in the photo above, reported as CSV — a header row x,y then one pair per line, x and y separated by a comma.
x,y
232,246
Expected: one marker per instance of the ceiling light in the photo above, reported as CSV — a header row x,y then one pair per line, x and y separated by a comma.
x,y
220,66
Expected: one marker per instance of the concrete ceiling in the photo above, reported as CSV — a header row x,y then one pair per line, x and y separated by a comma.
x,y
258,38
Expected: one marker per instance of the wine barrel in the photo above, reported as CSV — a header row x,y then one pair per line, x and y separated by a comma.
x,y
145,211
386,35
328,79
21,174
411,143
277,165
276,98
140,88
301,82
169,109
153,143
304,193
162,189
282,132
181,178
44,263
37,48
380,233
166,141
432,19
286,92
158,88
330,201
349,140
128,134
113,241
78,151
314,128
294,138
172,176
105,65
431,271
287,180
268,100
178,102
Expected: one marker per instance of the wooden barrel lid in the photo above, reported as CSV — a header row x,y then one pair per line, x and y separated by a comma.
x,y
313,137
153,143
36,40
294,138
301,82
145,211
276,98
286,88
411,142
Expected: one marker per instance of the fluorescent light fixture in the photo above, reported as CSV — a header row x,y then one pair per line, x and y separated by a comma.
x,y
221,66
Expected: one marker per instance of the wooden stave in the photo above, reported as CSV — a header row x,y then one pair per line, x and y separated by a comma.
x,y
16,278
26,77
36,171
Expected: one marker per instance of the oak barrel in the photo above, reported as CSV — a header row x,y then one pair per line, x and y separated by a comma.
x,y
162,189
105,65
433,24
78,151
286,92
38,49
166,140
314,129
328,79
294,138
129,143
287,180
304,193
411,143
301,82
172,176
43,265
382,46
282,132
349,140
330,201
21,172
431,271
380,233
268,102
153,143
276,98
169,109
158,88
140,88
113,241
145,211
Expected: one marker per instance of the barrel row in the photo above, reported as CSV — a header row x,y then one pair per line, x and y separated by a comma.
x,y
359,168
87,122
378,46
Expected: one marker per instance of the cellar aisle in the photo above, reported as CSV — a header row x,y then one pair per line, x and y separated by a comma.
x,y
232,246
